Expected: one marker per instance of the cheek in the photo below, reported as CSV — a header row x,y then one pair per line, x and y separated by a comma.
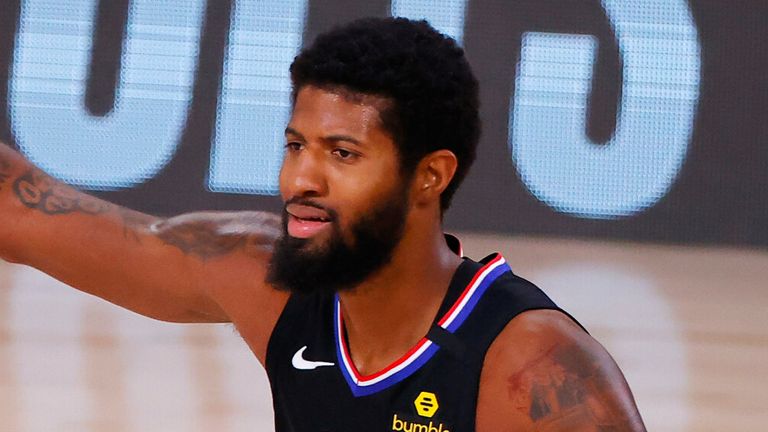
x,y
354,192
350,204
358,199
282,177
373,175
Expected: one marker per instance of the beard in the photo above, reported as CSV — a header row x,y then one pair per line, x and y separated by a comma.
x,y
339,265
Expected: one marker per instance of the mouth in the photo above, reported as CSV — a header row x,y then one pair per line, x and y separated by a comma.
x,y
306,222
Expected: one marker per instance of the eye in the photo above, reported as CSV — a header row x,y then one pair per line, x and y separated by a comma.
x,y
293,146
344,154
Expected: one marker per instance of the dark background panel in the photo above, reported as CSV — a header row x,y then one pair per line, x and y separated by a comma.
x,y
721,194
494,195
719,197
9,12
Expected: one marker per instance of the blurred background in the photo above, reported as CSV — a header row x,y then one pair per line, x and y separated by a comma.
x,y
623,168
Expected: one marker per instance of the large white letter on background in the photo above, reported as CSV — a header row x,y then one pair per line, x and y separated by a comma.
x,y
255,103
47,91
659,46
447,16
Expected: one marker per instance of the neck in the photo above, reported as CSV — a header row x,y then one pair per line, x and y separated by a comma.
x,y
393,310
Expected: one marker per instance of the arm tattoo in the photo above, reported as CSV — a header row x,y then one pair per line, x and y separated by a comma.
x,y
216,236
132,222
200,239
39,191
561,390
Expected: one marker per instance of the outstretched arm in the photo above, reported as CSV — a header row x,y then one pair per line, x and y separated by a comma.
x,y
544,373
198,267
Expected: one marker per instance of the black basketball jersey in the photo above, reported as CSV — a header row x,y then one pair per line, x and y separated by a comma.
x,y
432,388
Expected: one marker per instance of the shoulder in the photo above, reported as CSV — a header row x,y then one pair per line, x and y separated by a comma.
x,y
235,249
212,234
544,372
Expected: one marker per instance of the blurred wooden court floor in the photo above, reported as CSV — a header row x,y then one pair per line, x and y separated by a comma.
x,y
688,325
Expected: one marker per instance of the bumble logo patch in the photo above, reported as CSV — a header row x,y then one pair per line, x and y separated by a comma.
x,y
402,425
426,404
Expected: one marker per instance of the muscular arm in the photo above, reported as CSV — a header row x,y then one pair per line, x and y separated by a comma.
x,y
199,267
543,373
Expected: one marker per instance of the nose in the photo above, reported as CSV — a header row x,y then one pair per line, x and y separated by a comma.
x,y
303,175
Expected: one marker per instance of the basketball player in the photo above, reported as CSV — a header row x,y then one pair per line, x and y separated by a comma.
x,y
365,315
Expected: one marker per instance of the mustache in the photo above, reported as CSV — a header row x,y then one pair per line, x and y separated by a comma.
x,y
332,214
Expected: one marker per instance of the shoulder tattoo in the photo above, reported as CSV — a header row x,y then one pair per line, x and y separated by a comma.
x,y
565,388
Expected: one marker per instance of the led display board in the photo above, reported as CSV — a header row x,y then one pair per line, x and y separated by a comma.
x,y
627,119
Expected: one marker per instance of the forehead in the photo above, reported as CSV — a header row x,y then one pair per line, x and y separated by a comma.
x,y
336,110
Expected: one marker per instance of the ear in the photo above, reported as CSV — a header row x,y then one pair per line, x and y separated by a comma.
x,y
433,174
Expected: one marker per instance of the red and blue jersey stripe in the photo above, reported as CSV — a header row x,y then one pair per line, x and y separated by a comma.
x,y
422,352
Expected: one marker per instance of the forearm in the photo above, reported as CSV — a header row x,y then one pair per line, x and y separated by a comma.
x,y
12,209
95,246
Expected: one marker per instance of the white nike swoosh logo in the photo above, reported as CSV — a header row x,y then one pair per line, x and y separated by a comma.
x,y
300,363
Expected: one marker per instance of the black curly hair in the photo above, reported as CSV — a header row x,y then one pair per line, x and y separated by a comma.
x,y
433,92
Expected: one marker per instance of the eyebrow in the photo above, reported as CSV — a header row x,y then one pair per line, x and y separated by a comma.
x,y
292,131
346,138
331,138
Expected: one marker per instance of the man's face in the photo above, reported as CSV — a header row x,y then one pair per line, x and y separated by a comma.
x,y
345,201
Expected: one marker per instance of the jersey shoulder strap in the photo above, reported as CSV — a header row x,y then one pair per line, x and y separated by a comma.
x,y
508,296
